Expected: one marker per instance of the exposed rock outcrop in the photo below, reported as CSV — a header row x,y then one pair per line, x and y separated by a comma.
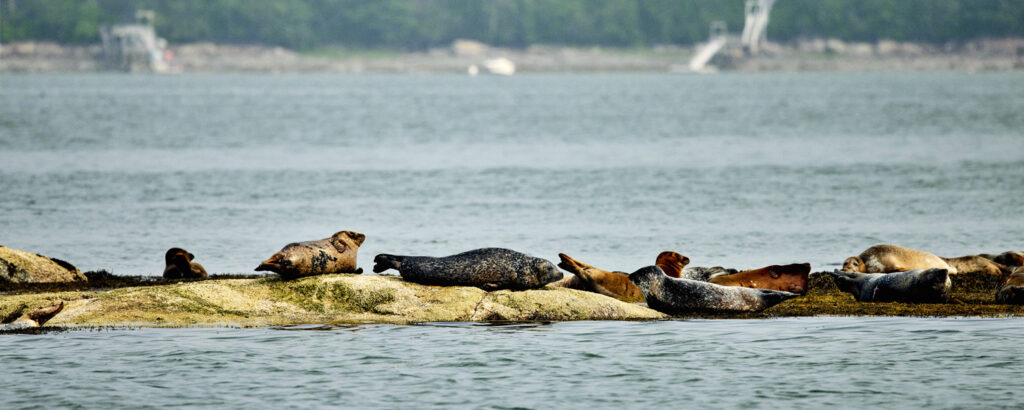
x,y
17,266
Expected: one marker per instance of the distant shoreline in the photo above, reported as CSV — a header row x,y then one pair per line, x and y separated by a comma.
x,y
810,55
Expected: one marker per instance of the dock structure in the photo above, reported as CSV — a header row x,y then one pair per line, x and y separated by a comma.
x,y
755,27
134,47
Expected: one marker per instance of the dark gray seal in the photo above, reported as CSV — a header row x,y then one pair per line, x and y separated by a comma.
x,y
679,296
912,286
488,269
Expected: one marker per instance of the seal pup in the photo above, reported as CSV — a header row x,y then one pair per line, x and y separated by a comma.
x,y
336,254
672,263
676,296
912,286
591,279
891,258
35,318
1011,292
179,265
975,263
487,268
790,278
1008,258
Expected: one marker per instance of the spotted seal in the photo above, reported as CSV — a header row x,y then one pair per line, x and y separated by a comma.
x,y
487,268
179,265
790,278
1011,292
591,279
912,286
680,296
35,318
891,258
336,254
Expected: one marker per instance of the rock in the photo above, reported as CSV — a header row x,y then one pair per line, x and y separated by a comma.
x,y
339,298
18,266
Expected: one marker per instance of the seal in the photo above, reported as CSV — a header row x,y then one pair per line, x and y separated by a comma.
x,y
680,296
975,263
1008,258
487,268
891,258
179,265
672,263
1011,292
790,278
336,254
912,286
591,279
35,318
705,274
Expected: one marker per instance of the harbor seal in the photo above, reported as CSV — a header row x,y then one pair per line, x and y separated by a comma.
x,y
912,286
1011,292
790,278
975,263
672,263
488,269
891,258
591,279
35,318
179,265
336,254
679,296
1008,258
705,274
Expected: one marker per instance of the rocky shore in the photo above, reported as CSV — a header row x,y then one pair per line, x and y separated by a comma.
x,y
807,55
348,299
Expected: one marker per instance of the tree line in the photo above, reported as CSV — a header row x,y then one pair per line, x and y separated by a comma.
x,y
421,24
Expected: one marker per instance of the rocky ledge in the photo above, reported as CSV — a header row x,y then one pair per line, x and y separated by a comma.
x,y
337,299
320,299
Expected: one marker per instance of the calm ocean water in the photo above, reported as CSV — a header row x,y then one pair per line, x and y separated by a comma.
x,y
739,170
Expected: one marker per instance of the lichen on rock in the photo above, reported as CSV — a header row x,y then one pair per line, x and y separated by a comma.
x,y
17,266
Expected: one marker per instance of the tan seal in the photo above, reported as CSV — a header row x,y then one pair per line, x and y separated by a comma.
x,y
975,263
614,284
179,265
336,254
892,258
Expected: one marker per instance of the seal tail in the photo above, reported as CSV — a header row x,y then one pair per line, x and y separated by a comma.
x,y
384,262
43,315
774,297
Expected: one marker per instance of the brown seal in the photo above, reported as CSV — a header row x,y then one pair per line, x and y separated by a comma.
x,y
672,263
35,318
975,263
179,265
614,284
789,278
891,258
336,254
1008,258
1011,292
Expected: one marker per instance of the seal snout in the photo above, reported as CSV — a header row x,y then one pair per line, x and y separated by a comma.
x,y
275,264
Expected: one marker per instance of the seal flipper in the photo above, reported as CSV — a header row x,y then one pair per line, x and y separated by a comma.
x,y
384,262
41,316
